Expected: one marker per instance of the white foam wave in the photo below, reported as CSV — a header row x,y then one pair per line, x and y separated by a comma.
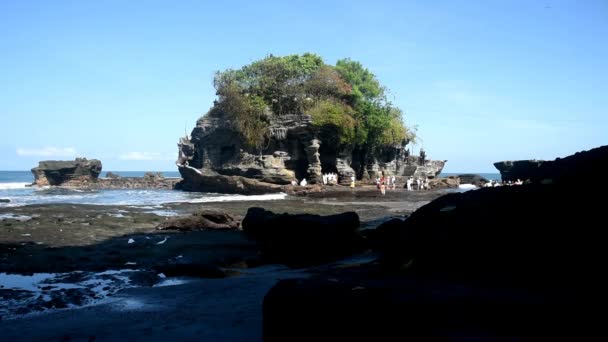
x,y
230,198
467,186
6,186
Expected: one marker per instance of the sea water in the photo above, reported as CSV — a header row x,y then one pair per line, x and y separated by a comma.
x,y
14,187
488,176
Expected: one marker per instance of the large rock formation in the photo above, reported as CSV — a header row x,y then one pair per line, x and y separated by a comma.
x,y
561,170
519,169
508,263
75,172
214,154
83,174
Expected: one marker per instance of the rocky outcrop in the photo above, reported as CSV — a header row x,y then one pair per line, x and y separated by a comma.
x,y
303,240
314,163
569,170
134,183
203,220
444,183
195,180
518,262
292,151
474,179
78,172
83,174
511,171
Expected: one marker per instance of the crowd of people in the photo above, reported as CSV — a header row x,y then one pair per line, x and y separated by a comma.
x,y
330,178
382,182
494,183
389,182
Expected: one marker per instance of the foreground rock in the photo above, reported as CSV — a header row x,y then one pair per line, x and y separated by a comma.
x,y
77,172
303,240
492,264
201,221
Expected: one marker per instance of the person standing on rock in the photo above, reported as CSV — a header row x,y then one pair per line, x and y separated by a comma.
x,y
393,181
352,181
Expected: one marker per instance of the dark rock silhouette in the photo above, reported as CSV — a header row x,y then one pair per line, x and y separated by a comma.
x,y
566,169
303,240
520,262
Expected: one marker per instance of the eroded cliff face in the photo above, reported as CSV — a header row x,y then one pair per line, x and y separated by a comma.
x,y
69,172
292,152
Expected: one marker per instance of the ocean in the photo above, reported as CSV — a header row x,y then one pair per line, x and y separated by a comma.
x,y
489,176
14,188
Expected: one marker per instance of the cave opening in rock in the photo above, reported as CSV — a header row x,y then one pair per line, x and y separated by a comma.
x,y
298,162
328,155
226,154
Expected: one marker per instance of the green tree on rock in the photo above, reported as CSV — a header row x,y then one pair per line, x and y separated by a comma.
x,y
347,103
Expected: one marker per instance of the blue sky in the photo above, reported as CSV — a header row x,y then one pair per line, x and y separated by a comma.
x,y
121,80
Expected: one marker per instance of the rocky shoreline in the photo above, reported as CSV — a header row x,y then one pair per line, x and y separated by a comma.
x,y
512,262
80,244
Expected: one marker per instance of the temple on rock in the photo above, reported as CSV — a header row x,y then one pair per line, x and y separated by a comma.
x,y
282,119
292,152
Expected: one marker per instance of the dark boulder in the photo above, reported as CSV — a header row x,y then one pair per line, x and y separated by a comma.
x,y
507,263
303,240
195,181
5,200
391,308
384,234
522,235
202,220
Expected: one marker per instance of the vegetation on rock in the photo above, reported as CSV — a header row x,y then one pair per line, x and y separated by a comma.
x,y
347,104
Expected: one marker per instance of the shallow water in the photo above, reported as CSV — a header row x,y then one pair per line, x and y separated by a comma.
x,y
32,293
20,196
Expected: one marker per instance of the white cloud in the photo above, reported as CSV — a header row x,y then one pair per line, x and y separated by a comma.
x,y
141,156
47,151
